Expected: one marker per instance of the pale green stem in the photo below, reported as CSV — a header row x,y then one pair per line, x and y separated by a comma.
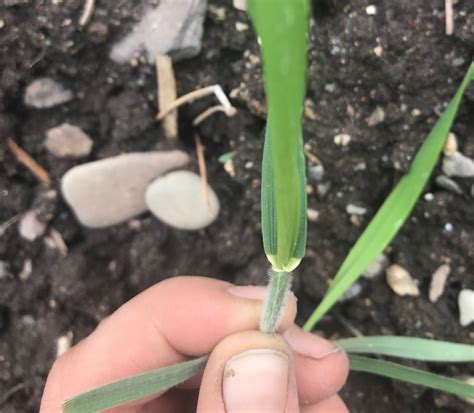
x,y
278,287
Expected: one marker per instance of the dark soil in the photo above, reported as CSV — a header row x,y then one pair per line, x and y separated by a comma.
x,y
420,68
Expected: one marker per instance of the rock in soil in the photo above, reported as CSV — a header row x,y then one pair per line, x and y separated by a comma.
x,y
30,227
68,141
46,93
175,27
401,282
438,282
466,307
447,183
377,267
178,200
458,165
451,145
112,190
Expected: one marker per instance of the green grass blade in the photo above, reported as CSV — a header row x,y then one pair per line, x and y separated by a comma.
x,y
281,26
133,388
411,375
395,210
409,348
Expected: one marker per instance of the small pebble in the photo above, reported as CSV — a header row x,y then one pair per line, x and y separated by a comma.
x,y
30,228
342,139
110,191
415,113
438,282
241,27
377,267
378,50
428,197
352,209
447,183
450,145
376,117
352,292
240,4
458,165
46,93
330,87
323,189
312,215
371,10
68,141
466,307
26,270
448,227
401,282
229,167
316,173
63,344
178,200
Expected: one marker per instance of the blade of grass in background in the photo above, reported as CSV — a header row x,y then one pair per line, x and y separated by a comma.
x,y
409,348
395,210
134,388
281,26
411,375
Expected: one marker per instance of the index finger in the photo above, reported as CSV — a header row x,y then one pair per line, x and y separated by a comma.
x,y
175,319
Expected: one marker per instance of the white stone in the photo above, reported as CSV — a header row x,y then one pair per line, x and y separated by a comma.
x,y
312,215
458,165
438,282
68,141
112,190
178,200
466,307
450,145
63,344
30,228
342,139
352,209
45,93
371,10
174,27
377,267
401,282
240,4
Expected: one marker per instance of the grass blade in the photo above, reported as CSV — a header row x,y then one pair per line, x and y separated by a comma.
x,y
133,388
409,348
282,29
411,375
395,210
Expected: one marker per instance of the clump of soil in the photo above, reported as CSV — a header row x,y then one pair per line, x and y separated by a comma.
x,y
399,60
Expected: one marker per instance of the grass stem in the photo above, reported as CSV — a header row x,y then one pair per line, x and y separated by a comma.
x,y
278,287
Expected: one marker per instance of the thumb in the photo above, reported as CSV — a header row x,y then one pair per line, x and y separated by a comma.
x,y
249,372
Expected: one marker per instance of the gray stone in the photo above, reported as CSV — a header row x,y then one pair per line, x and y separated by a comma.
x,y
68,141
352,209
376,117
174,27
377,267
178,200
316,173
112,190
458,165
438,282
448,184
30,227
45,93
466,307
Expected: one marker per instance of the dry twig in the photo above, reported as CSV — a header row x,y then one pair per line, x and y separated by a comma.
x,y
24,158
210,111
87,12
58,241
9,222
167,94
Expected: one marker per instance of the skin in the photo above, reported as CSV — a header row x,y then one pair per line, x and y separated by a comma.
x,y
185,317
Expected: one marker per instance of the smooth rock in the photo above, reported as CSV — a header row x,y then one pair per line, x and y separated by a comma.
x,y
377,267
45,93
438,282
466,307
68,141
376,117
458,165
401,282
312,215
352,209
112,190
174,27
450,145
178,200
447,183
30,227
316,173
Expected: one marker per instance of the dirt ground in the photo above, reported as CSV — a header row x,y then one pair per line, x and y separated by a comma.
x,y
417,72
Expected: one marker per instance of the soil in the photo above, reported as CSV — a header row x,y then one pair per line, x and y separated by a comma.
x,y
414,77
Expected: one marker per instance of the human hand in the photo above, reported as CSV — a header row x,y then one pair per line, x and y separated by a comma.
x,y
185,317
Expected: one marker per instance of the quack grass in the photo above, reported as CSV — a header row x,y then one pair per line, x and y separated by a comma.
x,y
282,31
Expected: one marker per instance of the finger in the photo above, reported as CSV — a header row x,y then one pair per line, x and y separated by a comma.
x,y
321,367
183,316
180,401
249,372
332,405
